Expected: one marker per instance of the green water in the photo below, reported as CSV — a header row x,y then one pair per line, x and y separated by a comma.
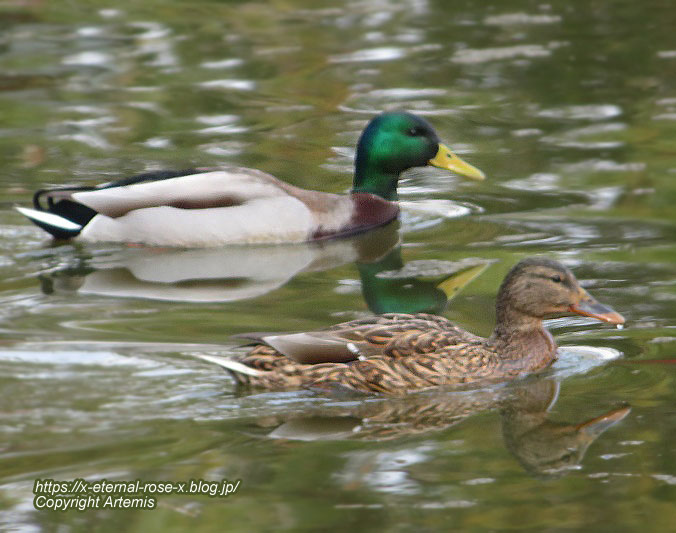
x,y
570,110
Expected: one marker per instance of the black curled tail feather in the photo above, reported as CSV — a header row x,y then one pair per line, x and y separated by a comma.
x,y
57,202
74,216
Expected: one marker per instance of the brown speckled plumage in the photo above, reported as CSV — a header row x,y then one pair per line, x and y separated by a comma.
x,y
396,353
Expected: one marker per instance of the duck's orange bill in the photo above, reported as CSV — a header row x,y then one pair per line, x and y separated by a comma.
x,y
598,311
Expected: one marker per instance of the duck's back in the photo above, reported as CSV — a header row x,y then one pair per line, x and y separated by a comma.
x,y
232,205
206,188
385,353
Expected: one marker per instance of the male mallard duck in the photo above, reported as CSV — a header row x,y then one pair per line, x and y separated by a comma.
x,y
395,353
227,205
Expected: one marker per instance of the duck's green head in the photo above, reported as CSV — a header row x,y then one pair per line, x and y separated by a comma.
x,y
396,141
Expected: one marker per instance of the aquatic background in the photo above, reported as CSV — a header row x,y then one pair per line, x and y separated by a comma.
x,y
570,110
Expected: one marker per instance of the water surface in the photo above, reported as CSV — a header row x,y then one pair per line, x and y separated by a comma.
x,y
570,110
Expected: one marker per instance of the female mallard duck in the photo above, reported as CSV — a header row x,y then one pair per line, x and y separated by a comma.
x,y
228,205
395,353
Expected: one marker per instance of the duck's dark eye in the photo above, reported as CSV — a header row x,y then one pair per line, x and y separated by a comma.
x,y
414,131
556,278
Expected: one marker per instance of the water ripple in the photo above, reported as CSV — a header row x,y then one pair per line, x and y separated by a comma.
x,y
100,359
238,85
89,59
582,112
513,19
471,56
574,359
438,208
601,165
222,64
571,138
386,53
157,142
540,181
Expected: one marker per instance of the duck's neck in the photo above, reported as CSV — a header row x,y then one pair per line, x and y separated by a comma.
x,y
371,177
520,336
379,183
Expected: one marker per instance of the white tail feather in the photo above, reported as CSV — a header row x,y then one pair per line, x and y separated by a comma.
x,y
49,219
229,364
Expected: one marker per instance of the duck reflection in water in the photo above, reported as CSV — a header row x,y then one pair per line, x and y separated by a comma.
x,y
246,272
544,447
390,286
211,274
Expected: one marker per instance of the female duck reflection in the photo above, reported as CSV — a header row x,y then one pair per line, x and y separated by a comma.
x,y
542,446
245,272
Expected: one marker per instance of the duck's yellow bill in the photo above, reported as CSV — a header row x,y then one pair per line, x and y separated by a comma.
x,y
448,160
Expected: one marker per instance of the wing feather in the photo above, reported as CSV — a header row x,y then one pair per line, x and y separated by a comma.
x,y
394,335
222,188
